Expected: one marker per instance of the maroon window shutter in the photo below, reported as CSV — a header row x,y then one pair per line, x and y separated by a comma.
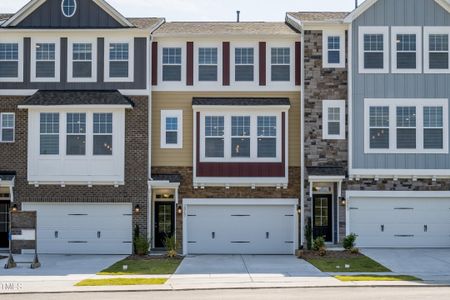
x,y
262,63
190,63
155,63
298,63
226,63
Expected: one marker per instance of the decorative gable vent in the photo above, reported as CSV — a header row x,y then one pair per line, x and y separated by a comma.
x,y
69,8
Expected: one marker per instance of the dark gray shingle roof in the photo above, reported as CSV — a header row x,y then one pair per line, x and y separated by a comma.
x,y
241,101
166,177
326,171
54,98
145,23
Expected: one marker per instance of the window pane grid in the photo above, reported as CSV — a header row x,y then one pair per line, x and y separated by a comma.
x,y
7,127
244,56
406,42
379,127
76,123
214,136
207,56
49,133
45,51
172,56
103,123
118,51
82,52
240,126
280,56
214,126
406,116
267,126
103,129
433,123
9,51
373,43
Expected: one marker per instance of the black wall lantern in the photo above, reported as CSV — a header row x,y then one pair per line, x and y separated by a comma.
x,y
299,209
343,201
137,209
14,208
179,209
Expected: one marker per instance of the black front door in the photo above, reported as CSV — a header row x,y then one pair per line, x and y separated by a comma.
x,y
322,217
164,222
4,224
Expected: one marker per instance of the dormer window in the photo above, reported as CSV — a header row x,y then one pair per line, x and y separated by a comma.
x,y
69,7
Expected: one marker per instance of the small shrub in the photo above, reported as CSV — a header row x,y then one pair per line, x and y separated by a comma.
x,y
319,245
354,250
349,241
171,246
141,245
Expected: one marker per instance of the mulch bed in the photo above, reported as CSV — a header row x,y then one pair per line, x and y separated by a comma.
x,y
330,254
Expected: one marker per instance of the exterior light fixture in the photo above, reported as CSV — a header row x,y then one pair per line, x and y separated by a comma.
x,y
14,208
137,208
343,201
299,209
179,209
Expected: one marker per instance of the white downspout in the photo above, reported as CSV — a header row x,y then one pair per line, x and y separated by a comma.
x,y
302,140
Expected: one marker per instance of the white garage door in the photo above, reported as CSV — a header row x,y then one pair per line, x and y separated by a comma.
x,y
83,228
400,221
240,229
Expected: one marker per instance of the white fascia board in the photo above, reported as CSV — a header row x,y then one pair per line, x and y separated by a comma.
x,y
293,21
240,107
59,107
399,194
445,4
325,178
359,10
23,13
236,201
400,173
17,92
240,181
86,183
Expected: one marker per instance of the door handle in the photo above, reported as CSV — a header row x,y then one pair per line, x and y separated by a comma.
x,y
425,228
99,234
213,235
382,228
267,235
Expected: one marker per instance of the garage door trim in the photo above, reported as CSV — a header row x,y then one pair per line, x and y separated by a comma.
x,y
240,202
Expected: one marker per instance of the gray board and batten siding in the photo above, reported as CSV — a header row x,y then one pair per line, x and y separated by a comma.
x,y
140,73
396,13
87,15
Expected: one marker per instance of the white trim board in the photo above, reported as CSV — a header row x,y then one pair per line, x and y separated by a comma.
x,y
395,194
240,201
399,173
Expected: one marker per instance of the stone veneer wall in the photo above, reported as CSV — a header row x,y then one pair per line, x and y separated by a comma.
x,y
321,84
187,190
13,157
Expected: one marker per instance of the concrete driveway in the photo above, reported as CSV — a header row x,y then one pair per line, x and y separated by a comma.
x,y
225,270
427,264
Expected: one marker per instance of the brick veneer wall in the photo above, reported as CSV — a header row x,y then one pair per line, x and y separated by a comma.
x,y
13,157
187,190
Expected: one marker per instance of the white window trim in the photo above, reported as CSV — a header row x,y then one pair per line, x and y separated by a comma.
x,y
406,30
253,136
426,57
384,30
74,10
172,114
325,36
255,64
180,64
198,64
280,84
211,84
393,104
33,77
169,85
333,104
13,128
19,77
130,43
70,60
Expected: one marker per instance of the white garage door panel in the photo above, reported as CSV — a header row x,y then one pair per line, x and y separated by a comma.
x,y
400,222
89,228
249,229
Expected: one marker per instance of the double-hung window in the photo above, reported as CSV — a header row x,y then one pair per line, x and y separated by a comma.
x,y
49,133
45,61
207,64
171,64
437,45
373,49
379,127
267,136
433,127
333,120
281,64
244,61
333,49
406,126
171,129
214,136
119,55
103,133
406,49
7,127
76,134
82,61
9,61
240,136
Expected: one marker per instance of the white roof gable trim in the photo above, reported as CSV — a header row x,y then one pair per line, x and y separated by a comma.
x,y
31,6
368,3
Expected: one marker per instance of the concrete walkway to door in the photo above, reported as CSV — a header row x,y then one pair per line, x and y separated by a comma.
x,y
220,270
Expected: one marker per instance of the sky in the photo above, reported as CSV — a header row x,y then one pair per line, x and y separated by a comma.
x,y
211,10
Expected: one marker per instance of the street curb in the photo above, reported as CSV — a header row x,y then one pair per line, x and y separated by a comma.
x,y
231,288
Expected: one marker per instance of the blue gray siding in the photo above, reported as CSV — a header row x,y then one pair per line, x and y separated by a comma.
x,y
88,15
396,13
140,71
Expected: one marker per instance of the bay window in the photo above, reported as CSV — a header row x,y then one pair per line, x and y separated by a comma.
x,y
267,136
406,127
433,127
240,136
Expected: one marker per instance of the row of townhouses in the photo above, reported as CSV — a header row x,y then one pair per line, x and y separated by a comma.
x,y
232,136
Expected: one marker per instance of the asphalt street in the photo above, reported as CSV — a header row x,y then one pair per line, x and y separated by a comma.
x,y
379,293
